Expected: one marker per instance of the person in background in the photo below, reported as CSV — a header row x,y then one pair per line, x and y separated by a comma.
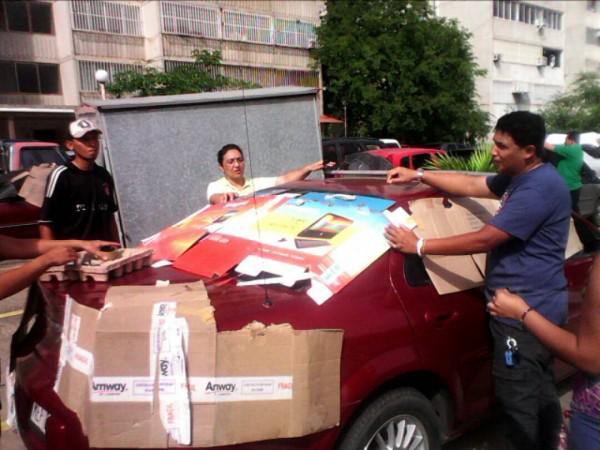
x,y
80,199
234,182
569,166
582,350
47,253
526,241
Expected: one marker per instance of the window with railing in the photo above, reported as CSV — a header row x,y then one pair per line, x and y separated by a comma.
x,y
247,27
190,19
87,70
31,17
29,78
294,33
106,17
527,13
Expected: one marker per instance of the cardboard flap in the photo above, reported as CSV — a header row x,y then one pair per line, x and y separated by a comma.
x,y
34,186
574,244
143,295
439,218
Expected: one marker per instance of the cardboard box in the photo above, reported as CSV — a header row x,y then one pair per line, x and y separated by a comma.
x,y
34,187
215,388
438,218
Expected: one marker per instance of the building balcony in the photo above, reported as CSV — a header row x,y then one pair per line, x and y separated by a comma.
x,y
22,46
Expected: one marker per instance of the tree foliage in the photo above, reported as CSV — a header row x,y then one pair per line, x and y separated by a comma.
x,y
185,79
578,109
401,71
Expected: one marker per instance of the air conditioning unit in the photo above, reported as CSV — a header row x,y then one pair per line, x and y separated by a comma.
x,y
539,23
497,57
542,61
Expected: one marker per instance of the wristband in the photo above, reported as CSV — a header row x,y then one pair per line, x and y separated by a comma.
x,y
420,246
420,174
525,313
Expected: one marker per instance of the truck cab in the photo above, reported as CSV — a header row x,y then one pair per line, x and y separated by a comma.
x,y
22,154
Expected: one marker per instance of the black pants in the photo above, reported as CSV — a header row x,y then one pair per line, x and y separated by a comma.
x,y
526,392
575,199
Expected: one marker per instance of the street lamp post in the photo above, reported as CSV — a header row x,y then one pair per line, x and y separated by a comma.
x,y
101,76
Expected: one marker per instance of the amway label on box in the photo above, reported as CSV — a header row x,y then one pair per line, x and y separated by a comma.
x,y
202,389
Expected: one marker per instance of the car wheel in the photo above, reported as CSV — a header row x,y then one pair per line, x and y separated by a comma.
x,y
399,419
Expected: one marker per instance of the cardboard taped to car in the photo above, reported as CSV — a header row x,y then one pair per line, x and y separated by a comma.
x,y
439,218
150,371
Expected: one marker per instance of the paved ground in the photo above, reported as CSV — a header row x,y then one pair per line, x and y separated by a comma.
x,y
10,315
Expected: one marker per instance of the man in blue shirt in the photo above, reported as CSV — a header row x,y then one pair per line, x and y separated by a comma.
x,y
526,242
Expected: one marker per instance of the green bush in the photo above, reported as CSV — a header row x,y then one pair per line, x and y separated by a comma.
x,y
479,161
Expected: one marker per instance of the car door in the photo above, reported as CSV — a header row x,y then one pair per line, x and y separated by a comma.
x,y
451,331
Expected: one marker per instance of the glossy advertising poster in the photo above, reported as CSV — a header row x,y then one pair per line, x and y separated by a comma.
x,y
329,238
177,239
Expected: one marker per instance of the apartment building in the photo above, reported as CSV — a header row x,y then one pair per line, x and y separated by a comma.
x,y
531,50
51,49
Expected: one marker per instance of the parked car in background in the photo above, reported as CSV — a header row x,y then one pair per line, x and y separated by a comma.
x,y
462,149
415,367
336,149
410,157
18,218
22,154
390,143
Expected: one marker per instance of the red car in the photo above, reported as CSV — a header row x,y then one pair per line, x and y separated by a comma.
x,y
410,157
415,367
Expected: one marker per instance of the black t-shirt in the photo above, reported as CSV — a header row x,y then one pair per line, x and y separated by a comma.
x,y
79,204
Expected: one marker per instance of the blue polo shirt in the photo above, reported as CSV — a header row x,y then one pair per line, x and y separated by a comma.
x,y
535,210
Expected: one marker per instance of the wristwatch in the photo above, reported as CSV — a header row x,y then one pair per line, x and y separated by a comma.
x,y
420,174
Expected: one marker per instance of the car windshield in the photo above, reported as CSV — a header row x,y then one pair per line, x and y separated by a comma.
x,y
32,156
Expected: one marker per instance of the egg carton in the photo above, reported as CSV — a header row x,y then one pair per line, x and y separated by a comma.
x,y
131,259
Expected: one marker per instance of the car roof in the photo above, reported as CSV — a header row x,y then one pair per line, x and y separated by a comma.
x,y
369,185
404,151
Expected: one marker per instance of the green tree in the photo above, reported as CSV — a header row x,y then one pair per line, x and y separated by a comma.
x,y
401,71
578,108
189,78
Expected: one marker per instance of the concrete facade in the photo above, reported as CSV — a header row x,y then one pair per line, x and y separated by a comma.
x,y
50,49
531,50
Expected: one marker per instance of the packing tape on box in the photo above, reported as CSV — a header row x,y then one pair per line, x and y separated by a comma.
x,y
169,337
70,353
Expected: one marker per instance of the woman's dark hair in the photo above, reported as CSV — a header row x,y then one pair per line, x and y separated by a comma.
x,y
525,128
225,149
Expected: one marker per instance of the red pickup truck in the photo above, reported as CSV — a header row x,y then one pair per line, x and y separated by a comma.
x,y
18,218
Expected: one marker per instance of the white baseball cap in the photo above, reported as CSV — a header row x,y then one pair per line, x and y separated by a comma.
x,y
82,126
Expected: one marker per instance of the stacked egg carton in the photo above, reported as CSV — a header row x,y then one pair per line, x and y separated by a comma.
x,y
131,259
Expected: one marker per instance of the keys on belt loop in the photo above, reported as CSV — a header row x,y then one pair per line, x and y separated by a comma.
x,y
511,354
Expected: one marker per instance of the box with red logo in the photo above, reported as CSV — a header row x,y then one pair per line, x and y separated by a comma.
x,y
149,370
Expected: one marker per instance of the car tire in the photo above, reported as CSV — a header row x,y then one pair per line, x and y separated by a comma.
x,y
399,419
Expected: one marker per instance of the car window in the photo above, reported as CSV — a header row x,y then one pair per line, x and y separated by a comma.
x,y
350,147
329,153
420,160
32,156
405,162
372,146
414,271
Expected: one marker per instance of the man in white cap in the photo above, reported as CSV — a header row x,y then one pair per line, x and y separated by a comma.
x,y
80,201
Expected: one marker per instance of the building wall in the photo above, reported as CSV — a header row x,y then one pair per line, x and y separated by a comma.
x,y
122,35
517,53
